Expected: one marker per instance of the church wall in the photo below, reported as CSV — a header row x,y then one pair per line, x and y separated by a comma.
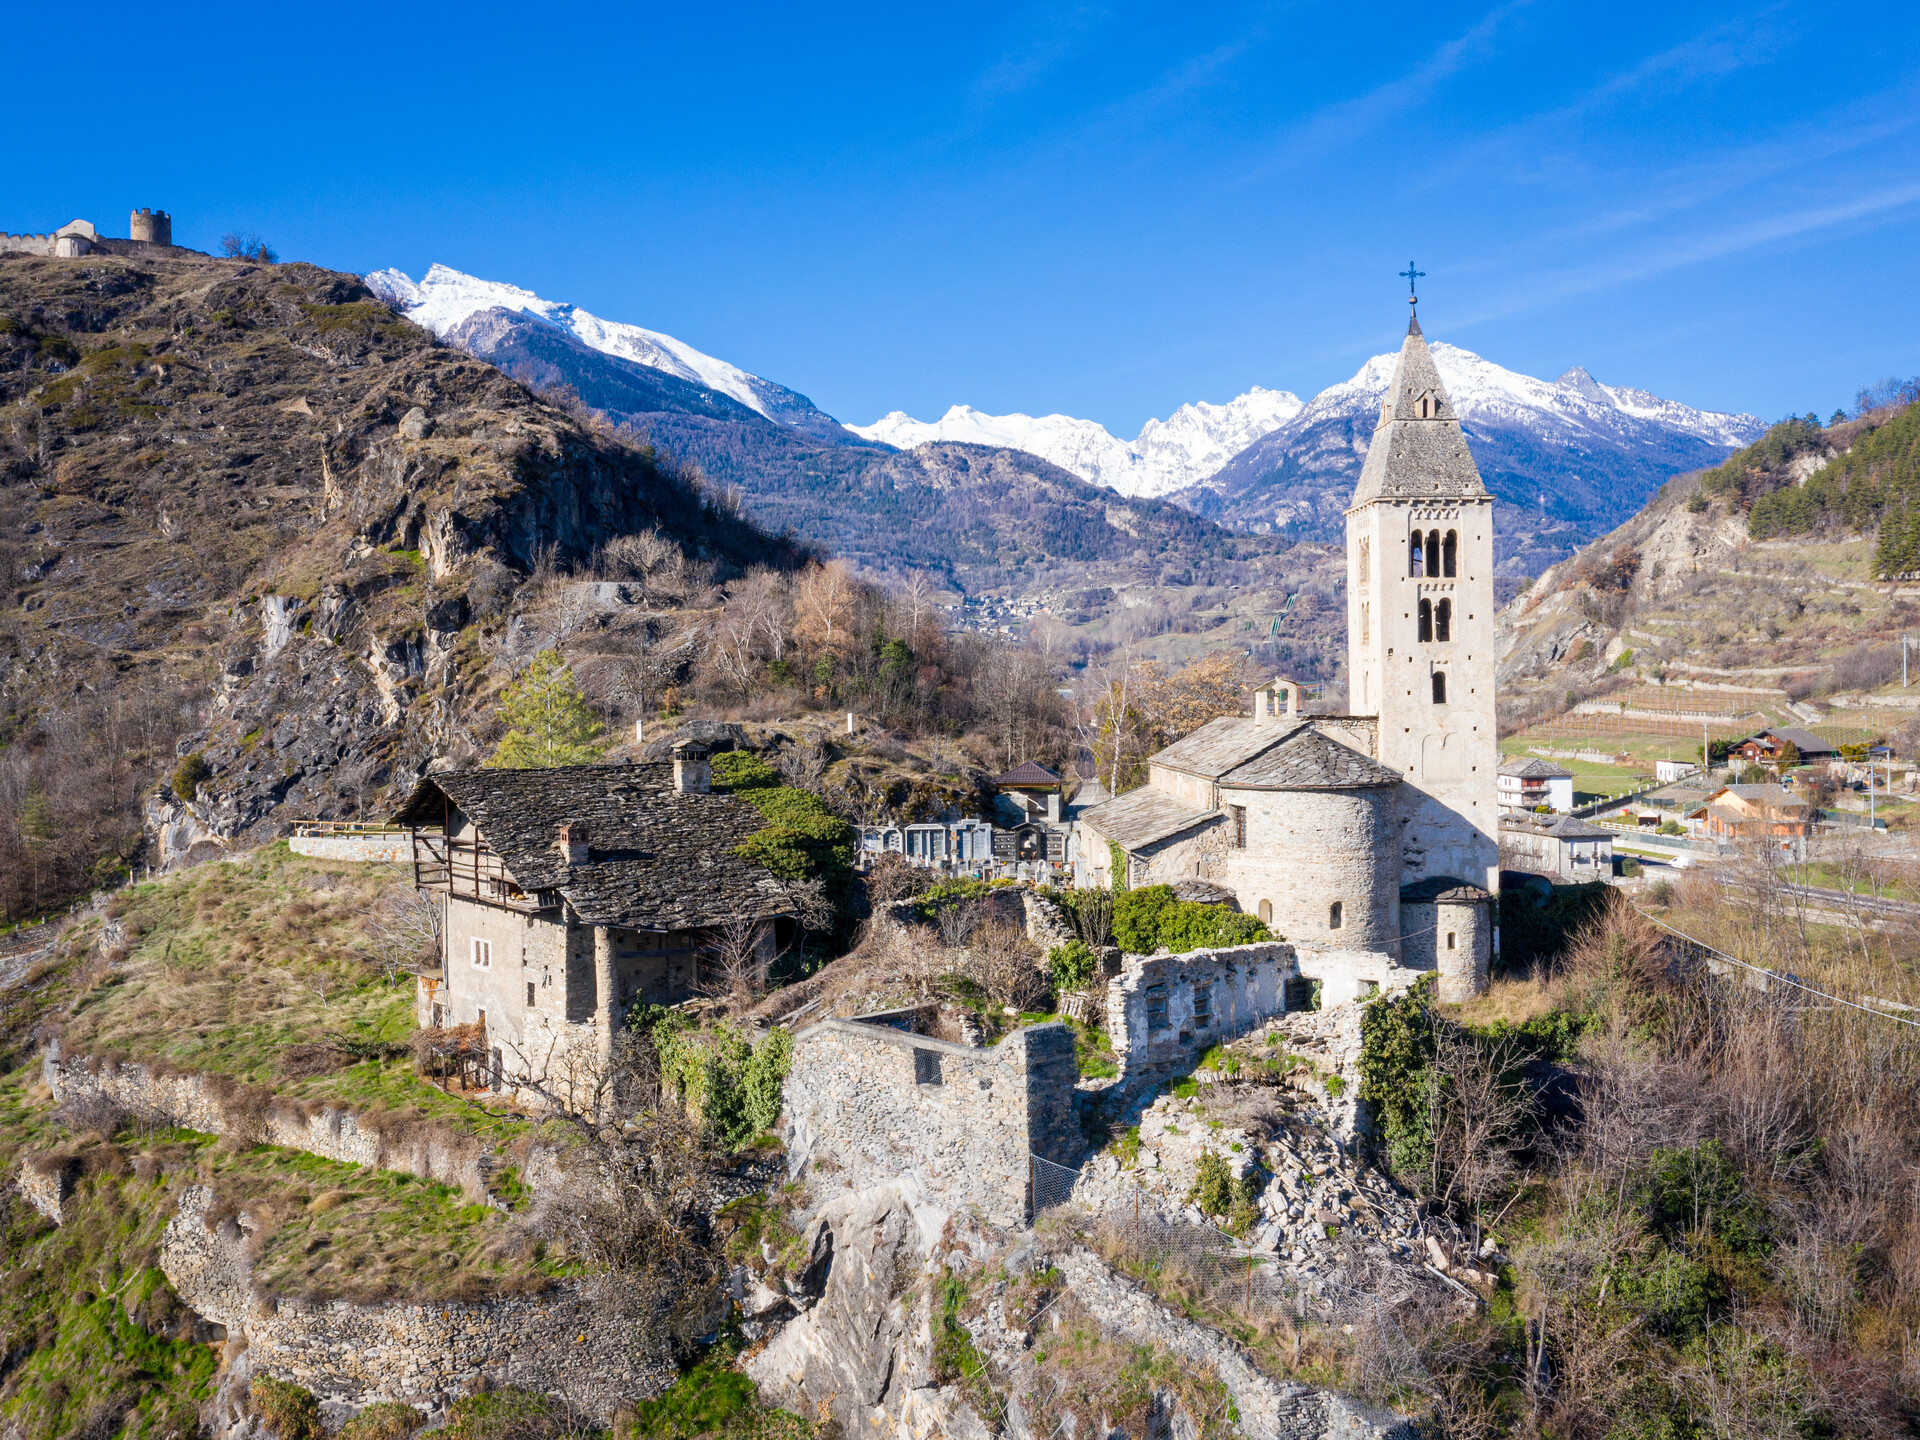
x,y
1195,854
1448,752
1463,966
1191,790
1306,850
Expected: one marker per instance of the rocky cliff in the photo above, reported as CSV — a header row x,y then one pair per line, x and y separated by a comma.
x,y
257,494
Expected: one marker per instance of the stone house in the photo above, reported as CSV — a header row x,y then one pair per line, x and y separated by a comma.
x,y
570,894
1527,782
1562,847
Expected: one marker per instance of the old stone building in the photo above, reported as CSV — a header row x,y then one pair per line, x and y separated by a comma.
x,y
571,894
1344,831
149,232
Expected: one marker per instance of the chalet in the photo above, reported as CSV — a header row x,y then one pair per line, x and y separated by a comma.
x,y
1748,813
571,894
1527,782
1765,748
1564,848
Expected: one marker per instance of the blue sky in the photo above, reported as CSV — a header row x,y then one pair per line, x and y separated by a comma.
x,y
1101,210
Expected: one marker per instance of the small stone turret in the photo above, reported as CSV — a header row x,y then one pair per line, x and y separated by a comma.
x,y
153,226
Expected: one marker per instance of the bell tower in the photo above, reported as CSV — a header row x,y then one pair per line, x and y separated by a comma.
x,y
1420,624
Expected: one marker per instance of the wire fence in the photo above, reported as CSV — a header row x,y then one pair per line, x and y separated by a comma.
x,y
1200,1268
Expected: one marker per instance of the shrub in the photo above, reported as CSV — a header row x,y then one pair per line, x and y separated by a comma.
x,y
510,1415
731,1086
189,775
1629,866
1072,966
388,1420
738,770
1144,920
1661,892
288,1410
1213,1189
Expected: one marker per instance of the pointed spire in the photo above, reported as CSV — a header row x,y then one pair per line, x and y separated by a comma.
x,y
1418,448
1413,323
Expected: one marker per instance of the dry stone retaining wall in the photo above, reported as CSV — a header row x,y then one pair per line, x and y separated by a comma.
x,y
374,849
559,1342
200,1102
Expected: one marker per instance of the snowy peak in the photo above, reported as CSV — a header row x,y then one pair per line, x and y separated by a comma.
x,y
446,298
1182,450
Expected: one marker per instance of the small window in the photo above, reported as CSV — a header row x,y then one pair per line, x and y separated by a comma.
x,y
1202,1006
439,1017
480,1018
926,1068
1157,1007
1416,556
1450,944
481,952
1239,826
1433,552
530,994
1266,912
1336,917
1443,621
1449,549
1426,621
1439,687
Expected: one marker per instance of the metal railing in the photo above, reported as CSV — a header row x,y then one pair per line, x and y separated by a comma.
x,y
305,828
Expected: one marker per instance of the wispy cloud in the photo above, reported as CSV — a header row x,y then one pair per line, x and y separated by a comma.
x,y
1345,122
1053,34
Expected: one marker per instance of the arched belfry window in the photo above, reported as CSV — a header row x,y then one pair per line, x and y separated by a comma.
x,y
1366,559
1439,687
1426,620
1442,621
1449,549
1433,552
1416,556
1424,410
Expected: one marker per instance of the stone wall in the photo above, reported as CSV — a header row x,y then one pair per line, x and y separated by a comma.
x,y
1309,849
868,1103
428,1354
1164,1011
215,1105
373,849
1454,938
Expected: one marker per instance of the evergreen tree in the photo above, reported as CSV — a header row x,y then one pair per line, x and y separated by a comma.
x,y
548,722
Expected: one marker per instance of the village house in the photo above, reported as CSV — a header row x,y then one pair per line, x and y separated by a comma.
x,y
1770,814
1526,782
571,894
1565,848
1765,748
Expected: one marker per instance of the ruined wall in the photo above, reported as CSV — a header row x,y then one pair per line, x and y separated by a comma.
x,y
1164,1011
870,1104
215,1105
560,1341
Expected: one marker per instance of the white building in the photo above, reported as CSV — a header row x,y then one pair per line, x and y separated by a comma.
x,y
1527,782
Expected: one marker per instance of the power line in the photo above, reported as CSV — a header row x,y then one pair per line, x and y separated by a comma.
x,y
1779,975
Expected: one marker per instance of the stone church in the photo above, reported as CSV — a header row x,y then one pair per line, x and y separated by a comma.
x,y
1374,833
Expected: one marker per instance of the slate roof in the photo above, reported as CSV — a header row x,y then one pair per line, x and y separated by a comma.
x,y
1803,741
1143,817
1028,773
1532,767
1308,760
1565,828
1412,454
1442,888
658,859
1238,752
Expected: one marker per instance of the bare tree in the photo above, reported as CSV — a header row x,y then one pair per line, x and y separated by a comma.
x,y
735,960
404,929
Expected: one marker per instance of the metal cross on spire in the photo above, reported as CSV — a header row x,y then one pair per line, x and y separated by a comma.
x,y
1410,275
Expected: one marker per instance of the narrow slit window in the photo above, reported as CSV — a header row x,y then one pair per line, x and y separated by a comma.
x,y
530,995
1449,552
1426,621
1450,939
1336,916
1443,621
1266,912
1239,826
1439,687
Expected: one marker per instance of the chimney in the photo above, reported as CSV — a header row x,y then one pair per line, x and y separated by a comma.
x,y
572,844
692,772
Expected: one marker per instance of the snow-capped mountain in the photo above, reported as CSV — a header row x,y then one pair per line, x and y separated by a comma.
x,y
1171,454
446,298
1578,455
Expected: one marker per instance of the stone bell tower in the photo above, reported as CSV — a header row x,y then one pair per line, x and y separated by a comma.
x,y
1420,624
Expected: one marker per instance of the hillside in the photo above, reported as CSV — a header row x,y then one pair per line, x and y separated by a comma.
x,y
1741,594
1568,460
250,514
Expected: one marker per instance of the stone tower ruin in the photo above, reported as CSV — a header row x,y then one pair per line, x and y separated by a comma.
x,y
153,226
1420,624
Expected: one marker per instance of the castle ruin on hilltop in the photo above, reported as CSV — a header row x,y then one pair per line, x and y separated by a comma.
x,y
149,232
